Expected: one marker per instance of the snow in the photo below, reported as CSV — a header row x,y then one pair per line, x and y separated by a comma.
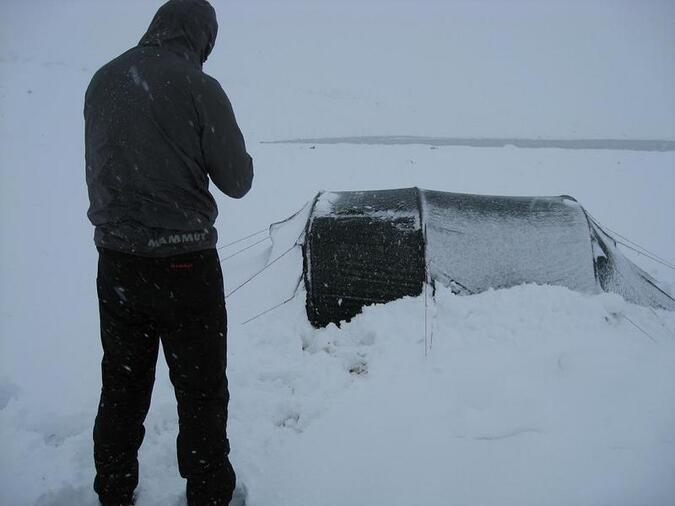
x,y
528,396
360,204
534,395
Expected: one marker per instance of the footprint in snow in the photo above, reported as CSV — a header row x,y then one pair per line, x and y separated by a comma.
x,y
8,391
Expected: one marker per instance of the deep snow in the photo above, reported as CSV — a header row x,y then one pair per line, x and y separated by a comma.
x,y
528,396
534,395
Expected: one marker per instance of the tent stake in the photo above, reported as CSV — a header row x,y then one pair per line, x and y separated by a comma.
x,y
426,317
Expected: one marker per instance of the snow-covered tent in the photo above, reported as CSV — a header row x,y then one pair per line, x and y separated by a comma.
x,y
368,247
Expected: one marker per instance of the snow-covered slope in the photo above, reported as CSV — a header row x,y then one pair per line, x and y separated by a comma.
x,y
528,396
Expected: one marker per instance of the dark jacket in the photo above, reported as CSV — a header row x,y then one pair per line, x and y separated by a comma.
x,y
157,128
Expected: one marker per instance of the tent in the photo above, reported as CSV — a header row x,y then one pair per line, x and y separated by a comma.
x,y
366,247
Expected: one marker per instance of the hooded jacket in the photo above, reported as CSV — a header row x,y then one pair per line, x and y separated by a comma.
x,y
157,129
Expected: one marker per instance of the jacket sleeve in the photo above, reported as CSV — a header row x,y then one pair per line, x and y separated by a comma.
x,y
228,164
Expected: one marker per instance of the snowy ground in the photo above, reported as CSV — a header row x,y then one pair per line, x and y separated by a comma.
x,y
529,396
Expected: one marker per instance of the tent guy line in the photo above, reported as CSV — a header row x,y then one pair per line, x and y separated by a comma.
x,y
266,238
647,253
243,239
277,306
269,264
639,328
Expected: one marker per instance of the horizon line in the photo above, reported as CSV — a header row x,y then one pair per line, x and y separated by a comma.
x,y
660,145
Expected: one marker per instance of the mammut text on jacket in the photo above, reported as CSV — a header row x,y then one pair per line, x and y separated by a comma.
x,y
156,129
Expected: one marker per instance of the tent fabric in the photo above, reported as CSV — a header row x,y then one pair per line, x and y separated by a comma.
x,y
371,247
362,248
615,273
480,242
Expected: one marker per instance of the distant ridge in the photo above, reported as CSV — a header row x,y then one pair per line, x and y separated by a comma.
x,y
393,140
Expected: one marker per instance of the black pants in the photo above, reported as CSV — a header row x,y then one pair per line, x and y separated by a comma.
x,y
180,301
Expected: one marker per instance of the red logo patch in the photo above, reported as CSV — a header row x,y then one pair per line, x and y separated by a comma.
x,y
181,267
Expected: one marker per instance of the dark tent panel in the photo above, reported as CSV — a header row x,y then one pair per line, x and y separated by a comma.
x,y
362,248
371,247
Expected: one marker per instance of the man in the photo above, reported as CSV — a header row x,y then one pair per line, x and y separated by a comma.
x,y
157,128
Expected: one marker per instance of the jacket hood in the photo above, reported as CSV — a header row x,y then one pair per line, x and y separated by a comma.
x,y
188,27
